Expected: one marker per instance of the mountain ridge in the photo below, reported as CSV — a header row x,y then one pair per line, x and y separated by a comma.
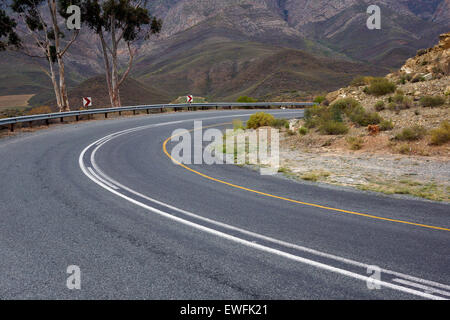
x,y
325,28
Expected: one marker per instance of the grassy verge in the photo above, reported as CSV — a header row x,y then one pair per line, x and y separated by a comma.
x,y
429,190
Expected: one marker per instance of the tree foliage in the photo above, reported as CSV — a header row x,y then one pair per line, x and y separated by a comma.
x,y
41,19
117,22
8,35
129,16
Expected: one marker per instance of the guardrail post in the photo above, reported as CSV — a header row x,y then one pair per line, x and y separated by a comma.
x,y
134,112
77,118
31,124
120,113
62,119
148,111
11,127
47,122
106,115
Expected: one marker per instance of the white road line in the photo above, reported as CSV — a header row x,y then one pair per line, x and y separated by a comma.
x,y
94,177
421,286
100,173
103,181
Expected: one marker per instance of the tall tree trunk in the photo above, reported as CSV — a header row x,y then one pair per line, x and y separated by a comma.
x,y
115,76
62,81
114,81
55,84
62,86
107,67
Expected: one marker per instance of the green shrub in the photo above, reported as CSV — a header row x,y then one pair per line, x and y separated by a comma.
x,y
407,103
358,81
410,134
39,110
312,112
345,104
432,101
404,149
398,98
303,131
319,99
392,106
260,119
312,123
380,87
363,118
245,99
386,125
314,115
333,128
441,135
355,143
280,123
380,106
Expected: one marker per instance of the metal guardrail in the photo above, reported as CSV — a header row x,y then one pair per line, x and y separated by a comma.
x,y
61,115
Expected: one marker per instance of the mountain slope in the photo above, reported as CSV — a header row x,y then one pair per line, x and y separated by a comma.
x,y
187,56
224,70
132,92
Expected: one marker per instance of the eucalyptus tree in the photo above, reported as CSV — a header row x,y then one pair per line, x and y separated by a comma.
x,y
119,24
8,35
42,21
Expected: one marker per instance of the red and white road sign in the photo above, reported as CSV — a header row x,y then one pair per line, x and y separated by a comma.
x,y
190,99
87,102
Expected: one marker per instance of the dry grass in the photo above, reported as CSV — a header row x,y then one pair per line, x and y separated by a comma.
x,y
429,190
15,101
315,175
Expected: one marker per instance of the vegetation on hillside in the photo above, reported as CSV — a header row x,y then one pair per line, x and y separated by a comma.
x,y
380,87
245,99
260,119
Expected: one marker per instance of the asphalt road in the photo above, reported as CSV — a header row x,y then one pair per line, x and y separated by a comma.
x,y
142,227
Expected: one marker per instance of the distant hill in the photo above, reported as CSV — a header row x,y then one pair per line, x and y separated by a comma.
x,y
208,47
132,92
223,71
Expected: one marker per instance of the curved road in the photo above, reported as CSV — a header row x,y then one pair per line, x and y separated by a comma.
x,y
103,195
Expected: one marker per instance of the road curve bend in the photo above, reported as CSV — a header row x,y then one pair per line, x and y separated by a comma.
x,y
107,197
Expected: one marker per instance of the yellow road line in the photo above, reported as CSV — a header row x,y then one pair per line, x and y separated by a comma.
x,y
287,199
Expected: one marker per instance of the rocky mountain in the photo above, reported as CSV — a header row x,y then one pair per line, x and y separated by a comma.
x,y
209,47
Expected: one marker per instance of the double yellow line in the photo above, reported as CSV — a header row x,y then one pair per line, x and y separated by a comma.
x,y
284,198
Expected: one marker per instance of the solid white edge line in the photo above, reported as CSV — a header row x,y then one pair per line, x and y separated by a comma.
x,y
102,180
105,177
239,240
421,286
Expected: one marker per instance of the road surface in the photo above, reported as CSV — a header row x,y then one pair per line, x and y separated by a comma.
x,y
104,196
